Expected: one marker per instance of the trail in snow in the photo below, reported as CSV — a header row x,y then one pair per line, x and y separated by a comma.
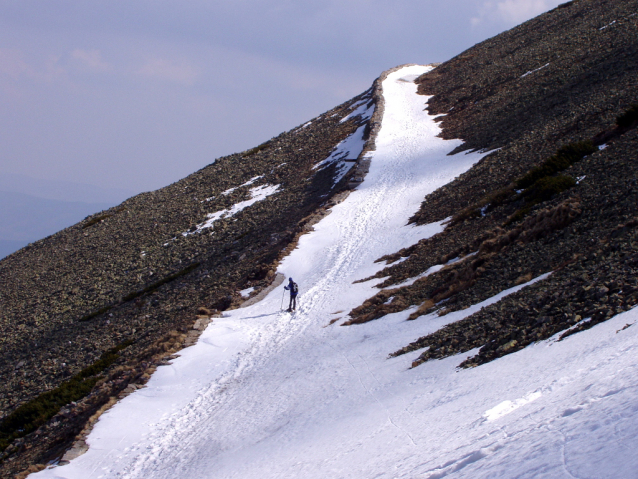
x,y
269,394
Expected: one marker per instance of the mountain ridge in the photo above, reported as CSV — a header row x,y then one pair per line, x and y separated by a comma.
x,y
142,250
485,207
73,296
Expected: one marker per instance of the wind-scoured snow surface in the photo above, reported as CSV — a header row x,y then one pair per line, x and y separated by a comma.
x,y
267,394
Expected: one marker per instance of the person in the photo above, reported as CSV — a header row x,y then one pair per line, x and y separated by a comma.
x,y
294,290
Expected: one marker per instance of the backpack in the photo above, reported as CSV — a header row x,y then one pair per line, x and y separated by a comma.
x,y
295,289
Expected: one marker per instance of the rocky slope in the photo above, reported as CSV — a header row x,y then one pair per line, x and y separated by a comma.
x,y
98,306
554,98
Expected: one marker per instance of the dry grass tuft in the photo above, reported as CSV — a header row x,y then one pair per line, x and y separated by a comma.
x,y
30,470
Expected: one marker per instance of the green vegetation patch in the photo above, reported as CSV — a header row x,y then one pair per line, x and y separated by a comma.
x,y
539,184
565,157
33,414
545,188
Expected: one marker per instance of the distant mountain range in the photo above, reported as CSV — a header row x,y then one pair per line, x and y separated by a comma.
x,y
31,209
62,190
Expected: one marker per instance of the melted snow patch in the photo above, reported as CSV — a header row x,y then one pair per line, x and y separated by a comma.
x,y
246,292
533,71
350,148
248,183
258,193
364,111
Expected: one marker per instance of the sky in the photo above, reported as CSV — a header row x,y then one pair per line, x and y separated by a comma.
x,y
136,94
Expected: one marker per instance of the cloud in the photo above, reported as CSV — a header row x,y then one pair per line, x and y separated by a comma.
x,y
512,12
16,73
165,70
91,59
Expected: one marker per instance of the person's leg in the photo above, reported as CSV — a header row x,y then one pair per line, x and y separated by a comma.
x,y
294,303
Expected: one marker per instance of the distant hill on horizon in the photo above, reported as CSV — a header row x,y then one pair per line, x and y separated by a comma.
x,y
33,208
26,218
62,190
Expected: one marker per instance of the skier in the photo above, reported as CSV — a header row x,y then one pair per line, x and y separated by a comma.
x,y
294,290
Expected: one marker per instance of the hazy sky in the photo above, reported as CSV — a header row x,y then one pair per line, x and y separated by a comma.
x,y
136,94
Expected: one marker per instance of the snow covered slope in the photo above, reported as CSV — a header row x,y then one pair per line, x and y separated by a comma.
x,y
266,393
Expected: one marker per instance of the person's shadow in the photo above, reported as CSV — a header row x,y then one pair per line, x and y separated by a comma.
x,y
261,315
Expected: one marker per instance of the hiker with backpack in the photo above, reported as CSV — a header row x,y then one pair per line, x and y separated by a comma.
x,y
294,290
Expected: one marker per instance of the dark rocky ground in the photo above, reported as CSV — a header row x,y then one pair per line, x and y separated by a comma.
x,y
129,277
584,234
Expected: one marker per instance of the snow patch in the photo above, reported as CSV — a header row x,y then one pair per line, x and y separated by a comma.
x,y
246,292
533,71
248,183
364,111
433,269
507,407
350,148
258,193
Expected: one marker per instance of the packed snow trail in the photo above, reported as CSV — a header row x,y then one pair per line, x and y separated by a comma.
x,y
267,394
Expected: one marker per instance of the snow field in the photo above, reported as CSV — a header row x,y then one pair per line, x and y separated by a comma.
x,y
265,393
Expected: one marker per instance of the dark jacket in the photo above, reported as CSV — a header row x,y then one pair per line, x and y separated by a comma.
x,y
293,288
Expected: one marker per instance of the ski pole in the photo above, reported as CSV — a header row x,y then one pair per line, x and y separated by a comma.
x,y
282,299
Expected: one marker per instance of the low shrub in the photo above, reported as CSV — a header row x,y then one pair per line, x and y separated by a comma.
x,y
500,197
153,287
545,188
257,149
519,215
33,414
136,294
465,214
627,119
96,313
565,157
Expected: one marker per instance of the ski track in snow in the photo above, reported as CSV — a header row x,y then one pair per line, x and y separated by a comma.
x,y
268,394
